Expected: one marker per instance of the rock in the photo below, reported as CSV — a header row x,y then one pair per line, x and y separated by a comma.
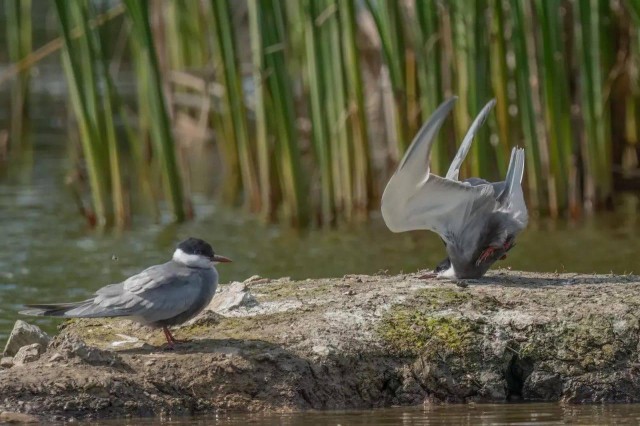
x,y
206,318
24,334
13,417
27,354
542,386
397,341
232,297
129,341
322,350
256,279
71,347
6,362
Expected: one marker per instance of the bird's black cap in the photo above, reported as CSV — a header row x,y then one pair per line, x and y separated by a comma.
x,y
196,246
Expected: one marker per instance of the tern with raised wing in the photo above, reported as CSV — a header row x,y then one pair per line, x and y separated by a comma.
x,y
477,220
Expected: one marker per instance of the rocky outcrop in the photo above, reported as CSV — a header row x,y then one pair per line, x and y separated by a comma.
x,y
353,342
24,334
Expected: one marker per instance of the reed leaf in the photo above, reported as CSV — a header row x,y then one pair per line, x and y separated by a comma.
x,y
234,99
263,147
19,44
282,113
160,128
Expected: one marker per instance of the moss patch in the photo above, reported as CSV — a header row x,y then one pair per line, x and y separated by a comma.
x,y
412,332
441,298
590,342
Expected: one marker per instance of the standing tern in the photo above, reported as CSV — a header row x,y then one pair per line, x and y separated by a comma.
x,y
477,220
160,296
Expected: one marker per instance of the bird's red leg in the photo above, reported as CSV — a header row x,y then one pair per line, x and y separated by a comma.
x,y
169,337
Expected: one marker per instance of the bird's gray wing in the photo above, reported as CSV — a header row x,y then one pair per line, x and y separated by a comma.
x,y
511,197
454,168
417,199
157,293
412,165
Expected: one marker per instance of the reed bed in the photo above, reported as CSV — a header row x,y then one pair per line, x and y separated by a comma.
x,y
313,102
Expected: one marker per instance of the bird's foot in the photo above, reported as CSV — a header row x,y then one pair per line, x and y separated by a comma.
x,y
427,276
171,341
171,345
486,254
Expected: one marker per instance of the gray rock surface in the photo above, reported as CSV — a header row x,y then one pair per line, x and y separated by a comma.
x,y
27,354
6,362
24,334
353,342
232,296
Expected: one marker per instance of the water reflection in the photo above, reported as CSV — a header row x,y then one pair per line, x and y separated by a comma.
x,y
468,414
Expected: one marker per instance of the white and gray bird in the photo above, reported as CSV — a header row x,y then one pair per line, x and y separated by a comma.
x,y
477,220
160,296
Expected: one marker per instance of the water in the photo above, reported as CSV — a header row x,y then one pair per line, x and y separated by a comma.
x,y
447,414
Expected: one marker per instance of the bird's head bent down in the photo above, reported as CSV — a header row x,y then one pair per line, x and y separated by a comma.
x,y
482,242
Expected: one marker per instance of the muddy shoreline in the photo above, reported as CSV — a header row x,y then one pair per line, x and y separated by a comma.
x,y
352,342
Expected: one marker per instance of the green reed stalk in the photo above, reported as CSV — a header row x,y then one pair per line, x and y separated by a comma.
x,y
234,99
471,65
556,96
428,42
19,45
317,92
362,182
536,168
595,52
387,16
282,114
461,22
109,108
186,33
83,94
262,142
480,85
335,107
500,79
160,128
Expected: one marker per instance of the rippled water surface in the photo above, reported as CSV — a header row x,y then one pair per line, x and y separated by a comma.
x,y
447,414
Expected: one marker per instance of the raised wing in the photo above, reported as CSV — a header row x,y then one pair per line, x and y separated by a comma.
x,y
454,168
417,199
511,196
